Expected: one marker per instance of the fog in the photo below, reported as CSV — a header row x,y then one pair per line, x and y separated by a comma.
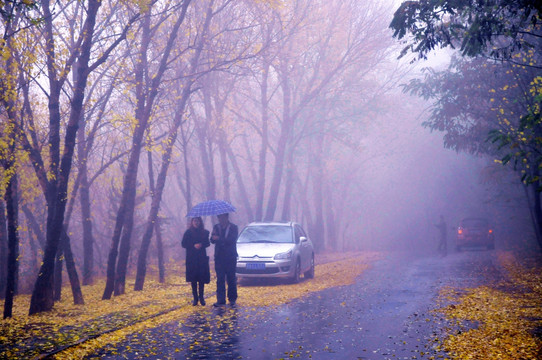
x,y
407,179
292,112
391,187
418,180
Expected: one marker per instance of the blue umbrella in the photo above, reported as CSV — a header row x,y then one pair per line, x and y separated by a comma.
x,y
211,207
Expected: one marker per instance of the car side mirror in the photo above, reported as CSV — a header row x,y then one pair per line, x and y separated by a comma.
x,y
302,239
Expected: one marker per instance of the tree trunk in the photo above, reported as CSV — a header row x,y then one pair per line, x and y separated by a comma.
x,y
262,161
113,251
59,261
166,160
34,225
160,251
307,213
3,251
240,182
34,252
65,256
43,293
13,243
72,271
249,172
149,227
188,182
284,139
42,296
209,141
537,208
331,229
130,177
317,178
128,226
8,101
145,104
207,163
158,191
534,210
206,159
288,187
86,216
145,242
225,170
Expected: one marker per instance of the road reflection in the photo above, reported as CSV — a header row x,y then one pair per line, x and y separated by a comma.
x,y
214,335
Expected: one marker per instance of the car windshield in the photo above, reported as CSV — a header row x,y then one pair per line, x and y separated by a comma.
x,y
474,223
266,234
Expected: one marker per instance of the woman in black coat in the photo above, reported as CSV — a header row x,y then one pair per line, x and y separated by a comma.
x,y
195,241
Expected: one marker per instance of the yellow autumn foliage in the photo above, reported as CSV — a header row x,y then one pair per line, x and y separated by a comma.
x,y
505,316
106,322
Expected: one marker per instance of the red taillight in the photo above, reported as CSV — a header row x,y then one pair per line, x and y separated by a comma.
x,y
491,231
460,231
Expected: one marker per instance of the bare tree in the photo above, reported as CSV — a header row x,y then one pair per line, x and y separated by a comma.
x,y
146,92
265,108
204,42
166,157
56,185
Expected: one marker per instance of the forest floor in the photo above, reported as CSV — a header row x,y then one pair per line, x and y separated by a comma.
x,y
507,317
77,330
500,320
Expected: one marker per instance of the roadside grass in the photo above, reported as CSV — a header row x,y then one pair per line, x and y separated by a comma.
x,y
502,321
74,331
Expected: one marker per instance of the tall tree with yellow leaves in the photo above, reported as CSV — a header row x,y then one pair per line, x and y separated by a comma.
x,y
147,89
56,180
11,17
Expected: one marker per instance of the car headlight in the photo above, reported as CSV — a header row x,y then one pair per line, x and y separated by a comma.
x,y
284,256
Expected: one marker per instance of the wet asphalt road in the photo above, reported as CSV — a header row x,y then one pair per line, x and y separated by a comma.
x,y
386,314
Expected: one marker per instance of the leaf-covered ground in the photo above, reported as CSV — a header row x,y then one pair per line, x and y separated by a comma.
x,y
500,321
74,331
496,321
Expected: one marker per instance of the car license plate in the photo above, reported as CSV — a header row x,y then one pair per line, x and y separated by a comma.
x,y
255,266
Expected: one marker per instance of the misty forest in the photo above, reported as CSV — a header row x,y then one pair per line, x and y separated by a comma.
x,y
364,121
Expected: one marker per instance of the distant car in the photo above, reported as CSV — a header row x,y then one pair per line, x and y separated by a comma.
x,y
475,232
274,250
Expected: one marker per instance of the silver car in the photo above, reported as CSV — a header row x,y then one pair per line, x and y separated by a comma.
x,y
274,249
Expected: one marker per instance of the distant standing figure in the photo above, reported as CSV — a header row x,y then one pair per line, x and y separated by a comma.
x,y
224,236
195,241
443,230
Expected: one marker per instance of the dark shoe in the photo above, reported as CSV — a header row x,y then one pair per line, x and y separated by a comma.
x,y
218,304
195,302
202,301
232,303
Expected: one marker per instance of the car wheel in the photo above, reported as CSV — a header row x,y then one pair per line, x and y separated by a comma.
x,y
297,272
310,273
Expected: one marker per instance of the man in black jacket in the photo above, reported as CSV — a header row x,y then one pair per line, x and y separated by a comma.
x,y
224,236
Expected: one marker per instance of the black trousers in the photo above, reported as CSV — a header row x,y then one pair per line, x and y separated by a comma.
x,y
195,286
225,273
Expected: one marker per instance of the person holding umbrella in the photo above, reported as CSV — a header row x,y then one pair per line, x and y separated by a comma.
x,y
195,241
224,236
